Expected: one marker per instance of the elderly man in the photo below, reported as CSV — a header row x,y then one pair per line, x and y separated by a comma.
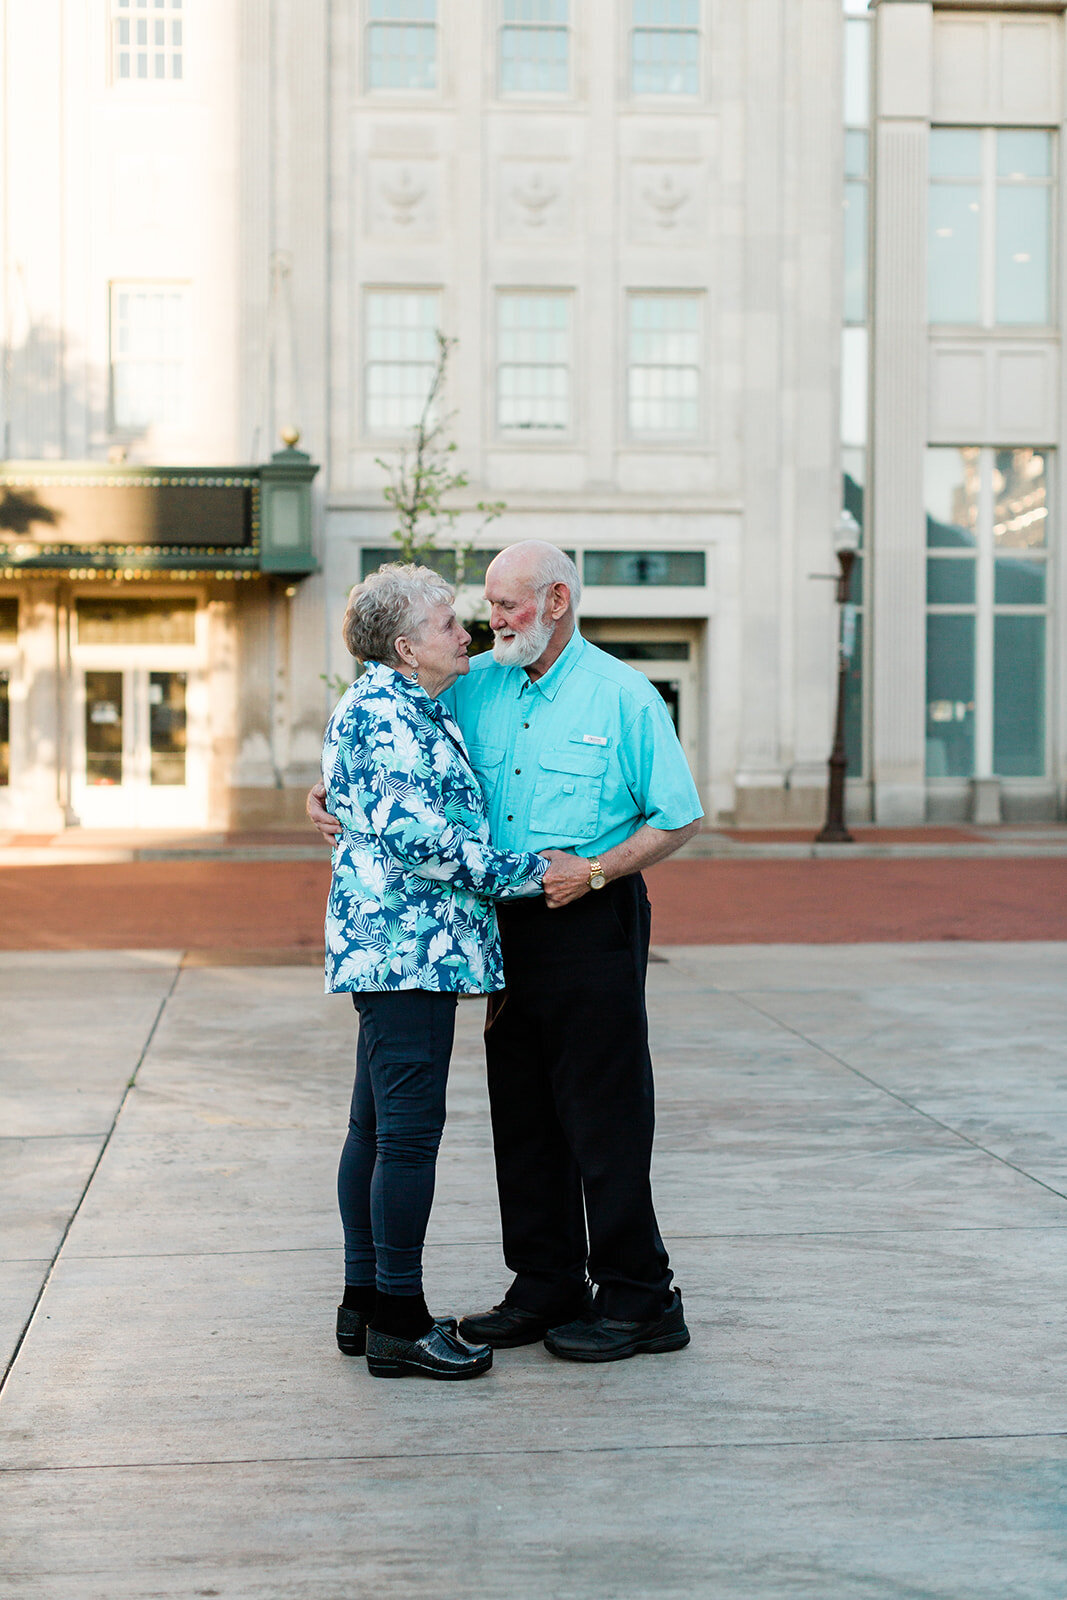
x,y
574,750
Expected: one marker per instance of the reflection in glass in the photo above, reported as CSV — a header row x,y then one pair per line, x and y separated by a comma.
x,y
5,729
857,74
103,728
953,480
954,253
1024,153
854,478
645,567
1019,581
949,581
949,696
854,386
475,562
854,696
857,153
1023,227
136,621
955,153
855,252
1020,505
1019,697
645,649
166,728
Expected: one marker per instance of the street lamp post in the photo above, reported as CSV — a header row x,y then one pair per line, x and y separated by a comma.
x,y
846,546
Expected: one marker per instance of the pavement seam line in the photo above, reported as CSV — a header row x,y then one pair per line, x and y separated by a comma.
x,y
130,1082
551,1450
928,1116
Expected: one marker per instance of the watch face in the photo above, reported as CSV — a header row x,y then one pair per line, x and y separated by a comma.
x,y
597,881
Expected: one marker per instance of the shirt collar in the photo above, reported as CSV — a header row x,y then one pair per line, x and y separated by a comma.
x,y
549,682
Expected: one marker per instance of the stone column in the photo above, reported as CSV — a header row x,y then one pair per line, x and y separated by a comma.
x,y
903,52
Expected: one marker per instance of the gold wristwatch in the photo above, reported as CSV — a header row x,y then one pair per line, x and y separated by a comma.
x,y
597,879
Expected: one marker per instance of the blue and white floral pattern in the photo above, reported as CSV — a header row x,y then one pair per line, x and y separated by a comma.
x,y
415,873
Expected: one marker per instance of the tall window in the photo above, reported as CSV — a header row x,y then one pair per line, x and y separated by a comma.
x,y
854,350
665,47
147,39
534,47
9,617
401,353
149,336
987,518
664,364
534,361
401,44
990,247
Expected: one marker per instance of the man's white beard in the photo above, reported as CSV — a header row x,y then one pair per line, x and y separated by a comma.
x,y
524,649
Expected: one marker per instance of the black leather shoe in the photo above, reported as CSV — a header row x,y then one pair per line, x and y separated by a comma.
x,y
508,1326
606,1339
352,1330
438,1354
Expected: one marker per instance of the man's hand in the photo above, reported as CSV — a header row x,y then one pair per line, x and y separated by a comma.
x,y
328,826
567,878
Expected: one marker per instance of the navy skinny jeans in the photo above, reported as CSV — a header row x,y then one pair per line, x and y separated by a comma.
x,y
385,1181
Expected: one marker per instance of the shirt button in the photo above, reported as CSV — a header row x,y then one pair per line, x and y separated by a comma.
x,y
511,819
518,771
526,724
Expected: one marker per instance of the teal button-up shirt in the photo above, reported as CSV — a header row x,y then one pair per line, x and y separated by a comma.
x,y
579,758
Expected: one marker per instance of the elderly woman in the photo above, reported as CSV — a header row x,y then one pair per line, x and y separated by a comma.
x,y
410,926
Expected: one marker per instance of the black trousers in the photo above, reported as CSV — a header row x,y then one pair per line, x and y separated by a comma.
x,y
570,1091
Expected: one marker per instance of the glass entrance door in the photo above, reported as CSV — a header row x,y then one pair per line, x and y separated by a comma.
x,y
134,767
137,715
668,657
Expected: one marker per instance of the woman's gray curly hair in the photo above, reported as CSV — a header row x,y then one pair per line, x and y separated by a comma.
x,y
392,603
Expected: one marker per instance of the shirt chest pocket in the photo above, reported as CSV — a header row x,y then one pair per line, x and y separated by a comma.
x,y
486,759
567,793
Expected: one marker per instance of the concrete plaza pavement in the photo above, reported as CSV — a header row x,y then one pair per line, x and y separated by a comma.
x,y
861,1171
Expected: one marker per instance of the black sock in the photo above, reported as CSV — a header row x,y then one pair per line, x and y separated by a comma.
x,y
360,1297
403,1315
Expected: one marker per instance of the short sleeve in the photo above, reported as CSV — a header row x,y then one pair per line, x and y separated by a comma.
x,y
656,771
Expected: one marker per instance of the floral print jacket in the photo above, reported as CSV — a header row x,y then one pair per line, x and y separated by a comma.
x,y
414,871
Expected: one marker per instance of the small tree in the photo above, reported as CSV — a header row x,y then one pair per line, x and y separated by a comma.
x,y
422,476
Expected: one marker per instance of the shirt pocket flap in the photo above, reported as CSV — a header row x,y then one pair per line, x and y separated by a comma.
x,y
484,757
578,763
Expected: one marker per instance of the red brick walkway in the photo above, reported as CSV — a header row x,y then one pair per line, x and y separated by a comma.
x,y
277,905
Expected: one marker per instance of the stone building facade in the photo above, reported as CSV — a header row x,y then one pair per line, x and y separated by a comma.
x,y
233,219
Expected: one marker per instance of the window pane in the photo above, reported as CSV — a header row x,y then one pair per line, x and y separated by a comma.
x,y
103,728
856,154
855,252
953,479
645,649
641,567
665,61
166,728
5,729
664,374
854,697
857,73
1023,223
955,153
1018,581
136,621
1024,153
1020,511
1019,697
949,696
403,10
955,218
854,386
534,61
666,13
401,56
854,478
949,581
401,354
546,11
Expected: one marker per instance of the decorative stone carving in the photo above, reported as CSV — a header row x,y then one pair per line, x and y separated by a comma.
x,y
534,199
403,197
666,199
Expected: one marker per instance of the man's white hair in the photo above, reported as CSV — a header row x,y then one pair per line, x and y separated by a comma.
x,y
552,566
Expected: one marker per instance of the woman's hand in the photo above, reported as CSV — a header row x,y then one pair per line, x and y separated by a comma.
x,y
328,826
567,878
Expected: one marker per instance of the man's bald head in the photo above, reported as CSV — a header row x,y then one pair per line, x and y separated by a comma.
x,y
535,564
532,589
